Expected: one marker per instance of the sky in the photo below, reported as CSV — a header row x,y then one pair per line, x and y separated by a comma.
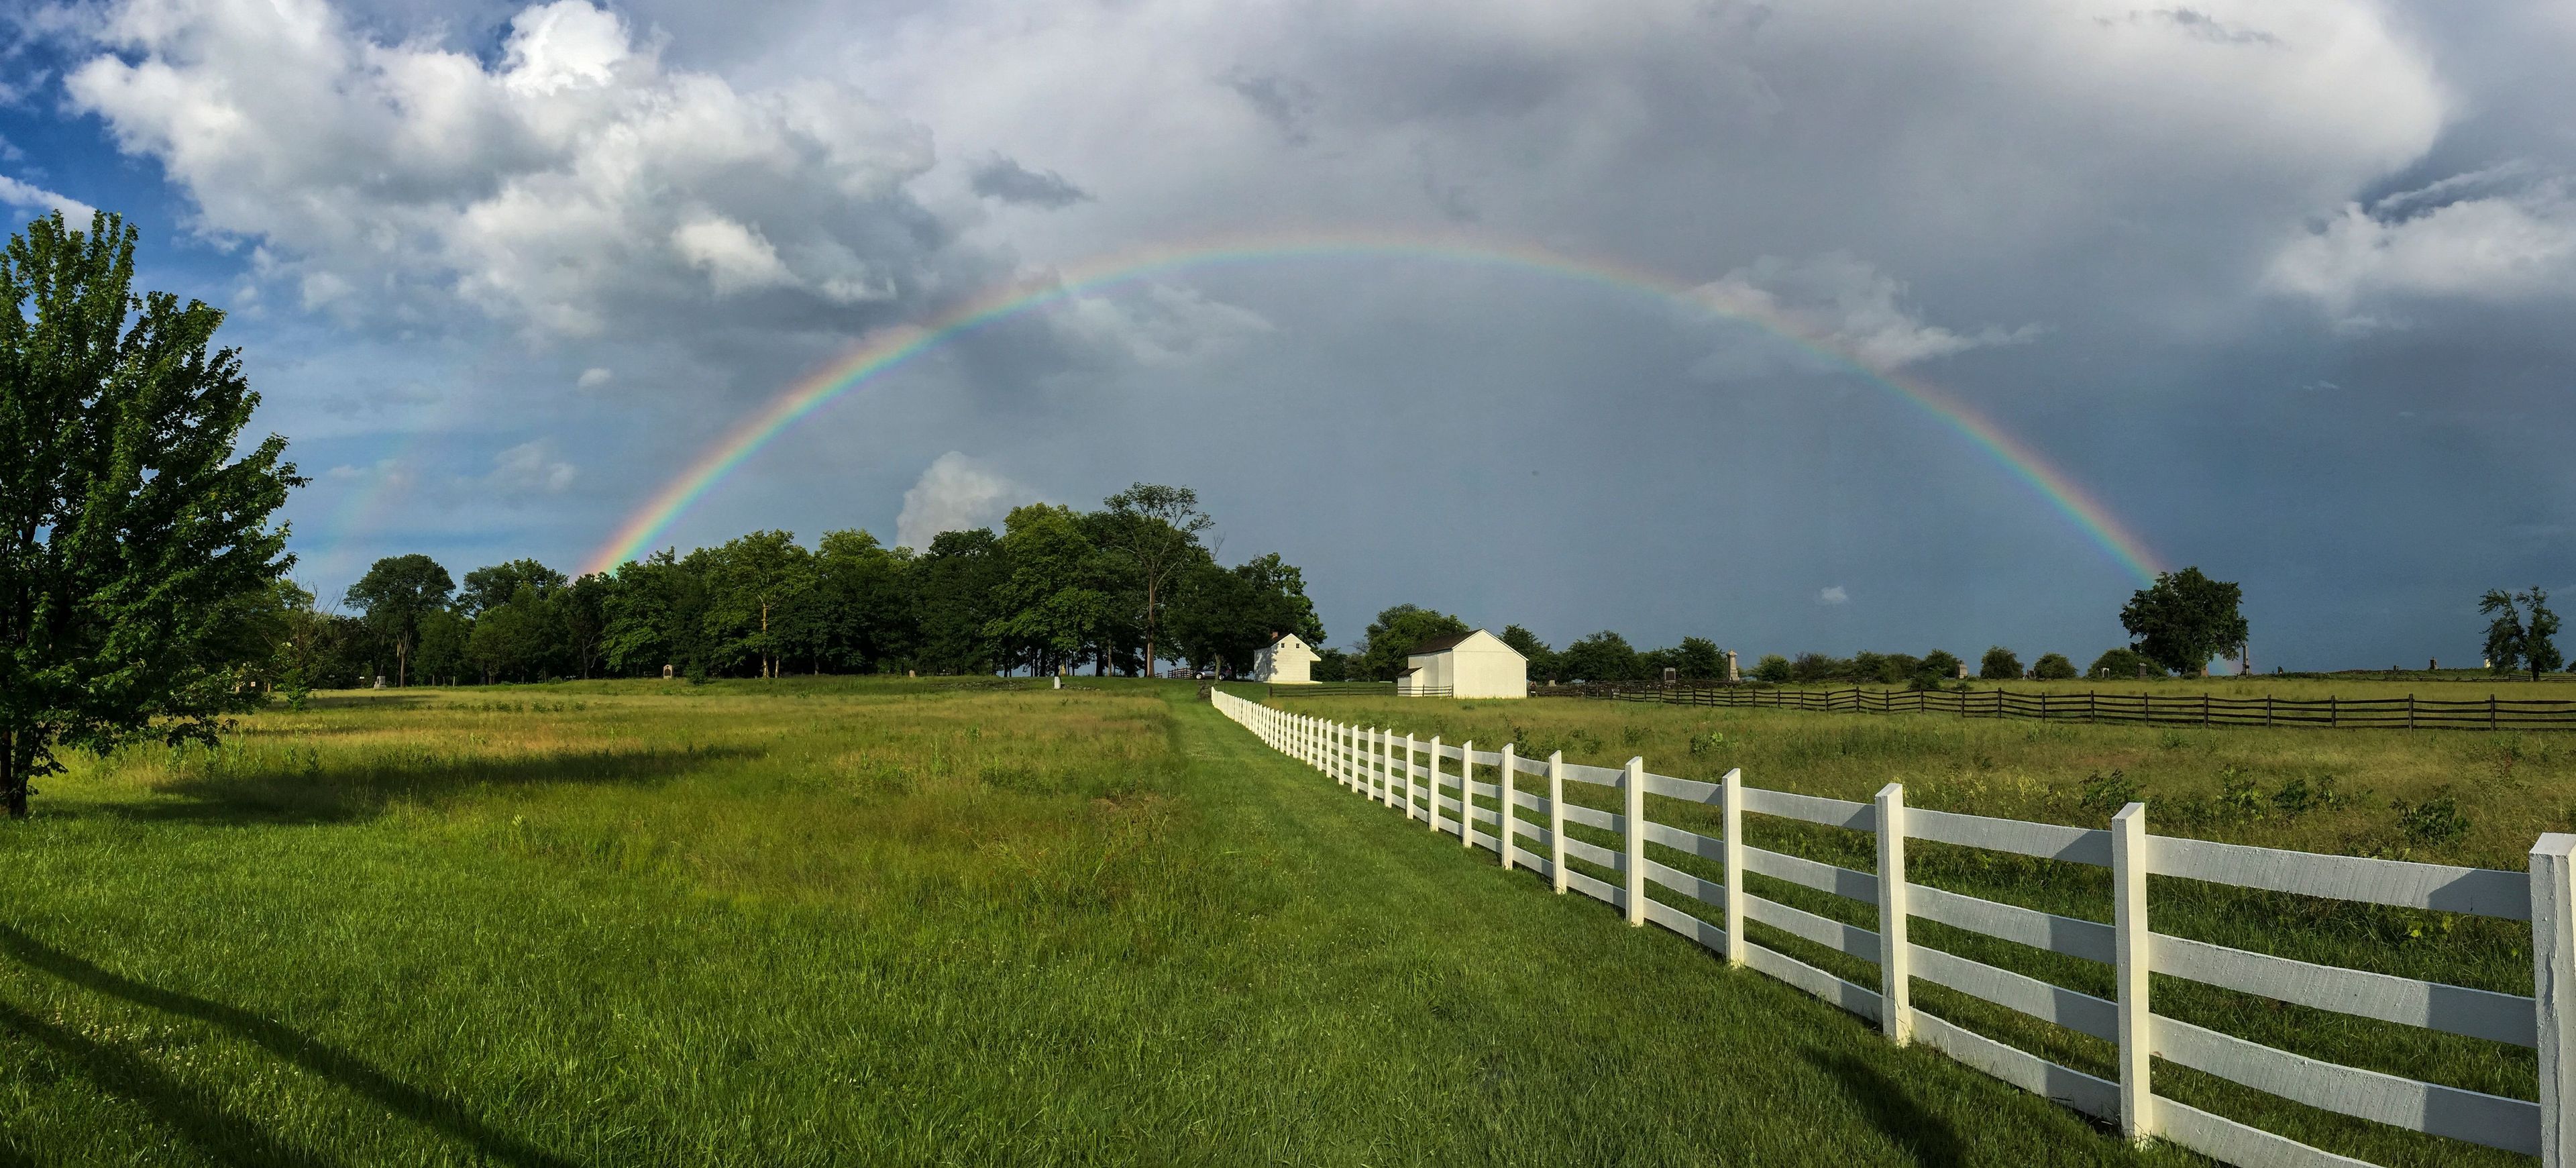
x,y
1658,317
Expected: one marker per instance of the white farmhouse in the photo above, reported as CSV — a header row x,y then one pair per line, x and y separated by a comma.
x,y
1286,661
1477,665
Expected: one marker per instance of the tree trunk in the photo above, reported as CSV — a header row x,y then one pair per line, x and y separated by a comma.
x,y
13,779
402,662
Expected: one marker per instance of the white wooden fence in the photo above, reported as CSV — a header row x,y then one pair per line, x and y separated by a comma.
x,y
1418,777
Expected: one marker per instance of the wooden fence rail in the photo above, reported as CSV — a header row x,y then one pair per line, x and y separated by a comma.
x,y
1438,785
2179,709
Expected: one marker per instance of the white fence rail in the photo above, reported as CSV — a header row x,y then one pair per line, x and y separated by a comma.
x,y
1438,785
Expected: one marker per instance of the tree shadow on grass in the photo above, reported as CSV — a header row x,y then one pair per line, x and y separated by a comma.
x,y
354,791
1886,1103
195,1112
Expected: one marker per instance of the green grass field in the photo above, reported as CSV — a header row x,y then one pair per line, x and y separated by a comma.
x,y
866,922
2357,792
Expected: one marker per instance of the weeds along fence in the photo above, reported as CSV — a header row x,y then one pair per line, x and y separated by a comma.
x,y
2406,713
1437,784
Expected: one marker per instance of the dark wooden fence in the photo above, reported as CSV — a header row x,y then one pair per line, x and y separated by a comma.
x,y
2179,709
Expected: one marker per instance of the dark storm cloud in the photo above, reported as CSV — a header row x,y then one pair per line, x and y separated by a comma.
x,y
1007,180
1284,102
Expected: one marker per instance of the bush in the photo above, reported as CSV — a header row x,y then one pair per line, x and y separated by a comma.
x,y
2123,664
2107,794
1999,664
1940,665
2053,667
2433,822
1812,667
1773,668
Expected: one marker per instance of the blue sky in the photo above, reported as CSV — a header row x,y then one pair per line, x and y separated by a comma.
x,y
2286,286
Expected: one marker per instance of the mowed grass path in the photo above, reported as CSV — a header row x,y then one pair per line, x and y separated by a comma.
x,y
839,922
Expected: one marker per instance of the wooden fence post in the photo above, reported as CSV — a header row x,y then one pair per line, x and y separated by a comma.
x,y
2553,981
2131,939
1431,789
1504,782
1386,768
1556,818
1408,774
1734,816
1634,785
1895,965
1467,794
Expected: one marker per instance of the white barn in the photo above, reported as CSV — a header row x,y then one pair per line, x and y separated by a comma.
x,y
1476,665
1286,661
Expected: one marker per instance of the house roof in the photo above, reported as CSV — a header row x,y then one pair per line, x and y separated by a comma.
x,y
1442,644
1445,644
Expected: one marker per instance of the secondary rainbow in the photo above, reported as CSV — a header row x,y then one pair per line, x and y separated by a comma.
x,y
884,353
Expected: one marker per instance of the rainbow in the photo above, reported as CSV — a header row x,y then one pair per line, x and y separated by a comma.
x,y
891,350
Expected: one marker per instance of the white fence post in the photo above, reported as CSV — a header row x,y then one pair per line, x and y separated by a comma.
x,y
1895,966
1734,813
1556,818
1634,783
1431,796
2131,938
1408,774
1503,784
2553,985
1381,747
1467,794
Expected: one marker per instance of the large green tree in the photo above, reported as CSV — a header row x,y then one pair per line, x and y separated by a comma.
x,y
1156,528
2184,619
860,599
1054,604
500,583
2523,632
394,594
1394,635
953,586
1603,656
749,580
133,527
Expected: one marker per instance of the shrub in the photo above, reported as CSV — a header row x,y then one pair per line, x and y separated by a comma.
x,y
2123,664
2053,667
2107,794
2433,822
1940,665
1773,668
1999,664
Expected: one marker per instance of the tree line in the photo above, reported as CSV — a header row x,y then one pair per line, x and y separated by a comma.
x,y
1056,589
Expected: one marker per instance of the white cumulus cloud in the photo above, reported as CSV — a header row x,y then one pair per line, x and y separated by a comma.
x,y
530,468
1849,304
574,185
2485,244
1833,595
28,199
956,493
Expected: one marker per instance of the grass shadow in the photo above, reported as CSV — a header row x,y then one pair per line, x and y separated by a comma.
x,y
347,792
1929,1139
194,1112
356,700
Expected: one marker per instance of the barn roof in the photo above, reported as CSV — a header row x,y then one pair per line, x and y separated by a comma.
x,y
1442,644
